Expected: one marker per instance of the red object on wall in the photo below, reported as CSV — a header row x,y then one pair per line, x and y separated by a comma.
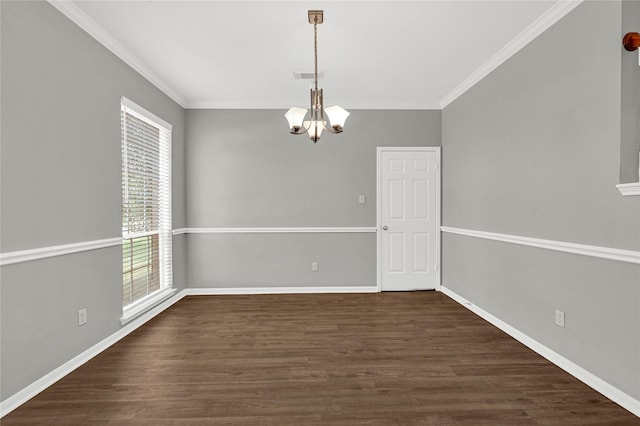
x,y
631,41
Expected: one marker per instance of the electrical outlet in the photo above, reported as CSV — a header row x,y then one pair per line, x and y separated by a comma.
x,y
560,318
82,316
314,266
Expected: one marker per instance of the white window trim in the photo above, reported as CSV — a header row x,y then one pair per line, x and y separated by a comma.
x,y
628,189
143,114
140,306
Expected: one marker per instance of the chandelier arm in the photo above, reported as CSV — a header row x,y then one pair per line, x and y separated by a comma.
x,y
302,130
332,130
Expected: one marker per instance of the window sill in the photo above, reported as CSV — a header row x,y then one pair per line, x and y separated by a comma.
x,y
628,189
139,307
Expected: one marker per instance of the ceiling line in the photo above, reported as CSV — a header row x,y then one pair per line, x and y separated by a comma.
x,y
91,27
556,12
541,24
283,106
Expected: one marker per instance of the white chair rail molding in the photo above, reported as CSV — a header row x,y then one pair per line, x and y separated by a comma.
x,y
629,256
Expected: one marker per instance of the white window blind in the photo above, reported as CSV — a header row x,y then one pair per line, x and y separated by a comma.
x,y
146,204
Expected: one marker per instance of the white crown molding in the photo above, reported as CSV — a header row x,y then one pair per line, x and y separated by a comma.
x,y
20,256
284,230
81,19
629,189
284,107
616,395
418,106
556,12
234,105
19,398
212,291
629,256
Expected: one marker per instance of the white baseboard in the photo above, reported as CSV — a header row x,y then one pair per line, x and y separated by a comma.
x,y
19,398
278,290
616,395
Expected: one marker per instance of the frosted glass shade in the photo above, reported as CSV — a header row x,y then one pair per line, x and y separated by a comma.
x,y
337,116
312,125
295,116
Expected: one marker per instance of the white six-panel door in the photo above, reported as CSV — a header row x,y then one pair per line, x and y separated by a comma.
x,y
408,218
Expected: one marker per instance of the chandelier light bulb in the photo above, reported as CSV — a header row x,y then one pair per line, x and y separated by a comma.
x,y
314,128
295,117
337,116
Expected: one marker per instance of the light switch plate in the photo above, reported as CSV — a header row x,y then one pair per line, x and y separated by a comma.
x,y
560,318
82,316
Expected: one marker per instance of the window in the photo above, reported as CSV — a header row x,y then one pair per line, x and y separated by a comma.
x,y
146,209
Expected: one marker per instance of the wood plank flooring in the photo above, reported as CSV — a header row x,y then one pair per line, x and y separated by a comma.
x,y
414,358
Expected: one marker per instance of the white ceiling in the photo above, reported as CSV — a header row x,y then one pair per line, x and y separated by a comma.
x,y
374,54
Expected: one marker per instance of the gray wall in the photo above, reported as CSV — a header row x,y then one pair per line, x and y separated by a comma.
x,y
246,170
630,137
282,260
60,184
534,150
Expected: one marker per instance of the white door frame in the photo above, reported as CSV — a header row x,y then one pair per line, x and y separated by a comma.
x,y
381,149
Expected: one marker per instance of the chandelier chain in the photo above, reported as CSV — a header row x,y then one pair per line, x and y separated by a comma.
x,y
315,51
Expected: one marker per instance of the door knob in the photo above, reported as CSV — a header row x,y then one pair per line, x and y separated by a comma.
x,y
384,228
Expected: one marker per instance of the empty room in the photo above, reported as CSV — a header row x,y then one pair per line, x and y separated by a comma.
x,y
320,212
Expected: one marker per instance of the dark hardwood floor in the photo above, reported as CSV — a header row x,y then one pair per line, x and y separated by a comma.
x,y
415,358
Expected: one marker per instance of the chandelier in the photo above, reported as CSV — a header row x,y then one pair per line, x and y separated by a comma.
x,y
316,123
